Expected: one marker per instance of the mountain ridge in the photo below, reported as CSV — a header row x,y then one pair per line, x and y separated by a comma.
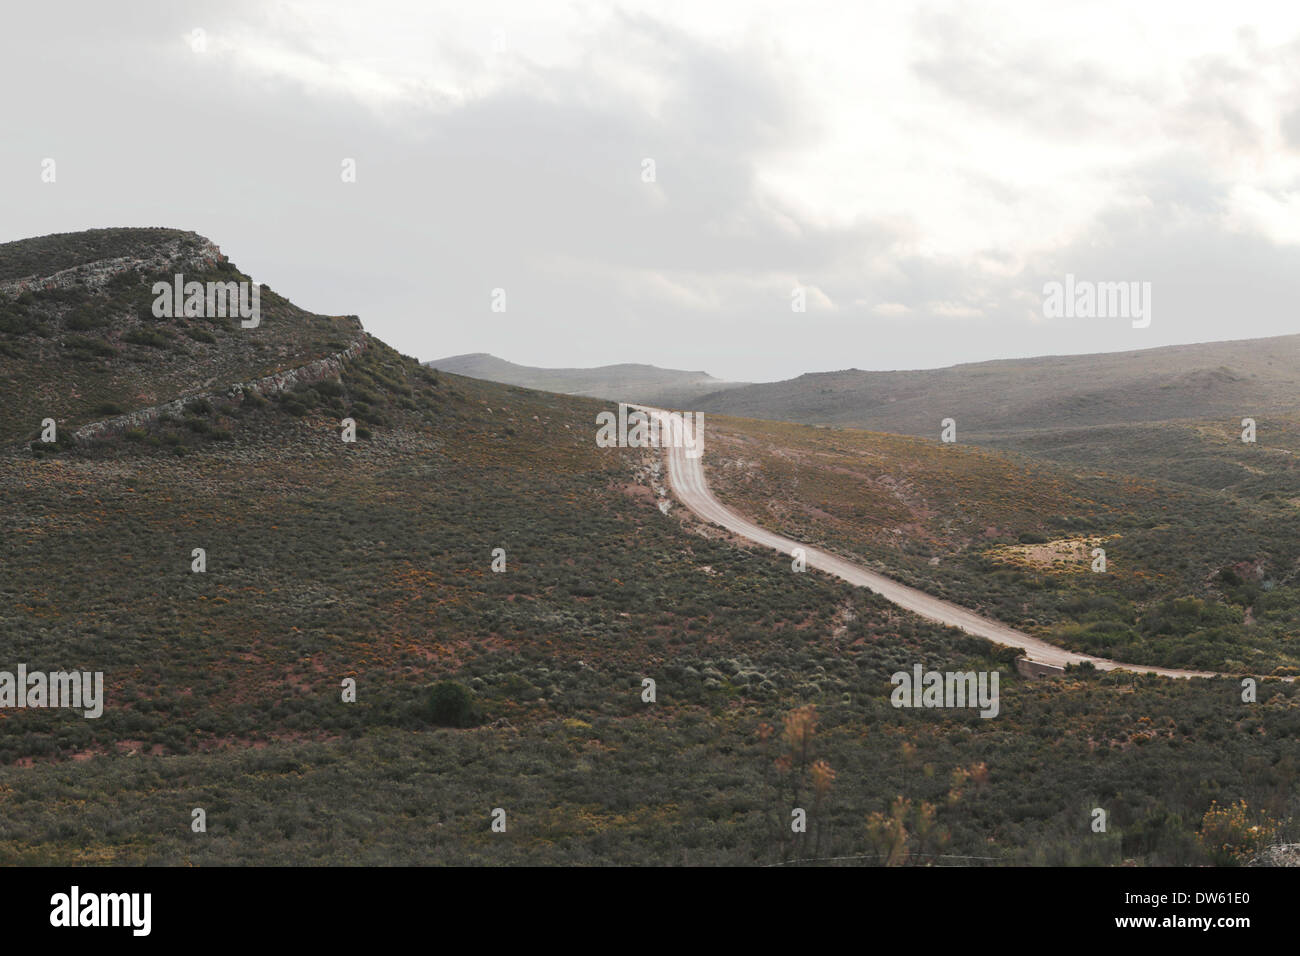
x,y
626,381
1163,383
996,396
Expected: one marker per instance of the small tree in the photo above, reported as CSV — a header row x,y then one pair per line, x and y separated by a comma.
x,y
794,764
452,705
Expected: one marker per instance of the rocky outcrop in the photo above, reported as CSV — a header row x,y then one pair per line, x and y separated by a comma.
x,y
1281,854
177,254
329,367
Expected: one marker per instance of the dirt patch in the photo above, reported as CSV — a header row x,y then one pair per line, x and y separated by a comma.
x,y
1063,554
639,492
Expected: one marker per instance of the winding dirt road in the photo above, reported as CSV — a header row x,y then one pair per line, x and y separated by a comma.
x,y
686,476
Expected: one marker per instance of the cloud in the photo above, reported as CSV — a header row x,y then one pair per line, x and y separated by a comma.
x,y
922,174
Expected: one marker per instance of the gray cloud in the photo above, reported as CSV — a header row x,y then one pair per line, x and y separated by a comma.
x,y
535,186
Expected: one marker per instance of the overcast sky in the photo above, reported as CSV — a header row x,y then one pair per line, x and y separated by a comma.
x,y
921,170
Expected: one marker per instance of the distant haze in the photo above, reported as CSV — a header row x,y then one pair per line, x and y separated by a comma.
x,y
628,383
1221,381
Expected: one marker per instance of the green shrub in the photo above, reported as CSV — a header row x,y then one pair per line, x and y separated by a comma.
x,y
452,705
82,321
84,347
150,337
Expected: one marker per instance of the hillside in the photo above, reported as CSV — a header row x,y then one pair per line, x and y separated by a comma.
x,y
79,341
620,383
1222,381
522,687
1193,577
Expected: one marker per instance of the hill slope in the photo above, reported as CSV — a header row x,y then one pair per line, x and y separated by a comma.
x,y
329,562
1194,578
79,341
1218,380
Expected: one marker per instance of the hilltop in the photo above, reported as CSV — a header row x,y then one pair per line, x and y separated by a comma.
x,y
79,342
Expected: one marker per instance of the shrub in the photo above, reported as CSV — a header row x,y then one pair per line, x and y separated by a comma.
x,y
84,321
148,337
83,347
1232,834
452,705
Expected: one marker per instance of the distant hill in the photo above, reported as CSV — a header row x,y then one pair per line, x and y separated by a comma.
x,y
623,383
1211,381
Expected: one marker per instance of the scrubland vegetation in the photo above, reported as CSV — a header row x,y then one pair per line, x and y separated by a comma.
x,y
1194,578
522,690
